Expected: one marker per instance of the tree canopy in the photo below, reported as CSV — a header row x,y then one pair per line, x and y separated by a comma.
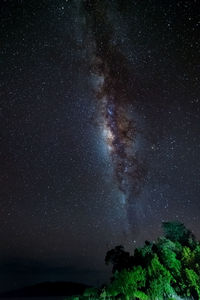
x,y
168,268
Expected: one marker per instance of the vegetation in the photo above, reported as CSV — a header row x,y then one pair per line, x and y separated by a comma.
x,y
166,269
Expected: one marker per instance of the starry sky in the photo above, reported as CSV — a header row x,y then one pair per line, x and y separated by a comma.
x,y
100,131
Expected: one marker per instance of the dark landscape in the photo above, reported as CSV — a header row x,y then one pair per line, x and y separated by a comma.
x,y
47,289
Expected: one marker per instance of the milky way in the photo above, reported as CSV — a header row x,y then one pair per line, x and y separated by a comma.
x,y
115,96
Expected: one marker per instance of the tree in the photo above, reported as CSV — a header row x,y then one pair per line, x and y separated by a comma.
x,y
176,231
193,282
166,250
165,269
91,293
142,255
129,283
159,280
119,258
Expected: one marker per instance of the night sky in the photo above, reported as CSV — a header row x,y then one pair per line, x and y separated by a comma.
x,y
100,131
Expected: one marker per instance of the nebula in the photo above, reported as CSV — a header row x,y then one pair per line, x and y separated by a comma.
x,y
115,97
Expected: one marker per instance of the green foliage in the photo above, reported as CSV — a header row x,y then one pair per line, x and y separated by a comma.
x,y
159,280
166,269
166,250
91,293
127,282
193,279
177,232
187,256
